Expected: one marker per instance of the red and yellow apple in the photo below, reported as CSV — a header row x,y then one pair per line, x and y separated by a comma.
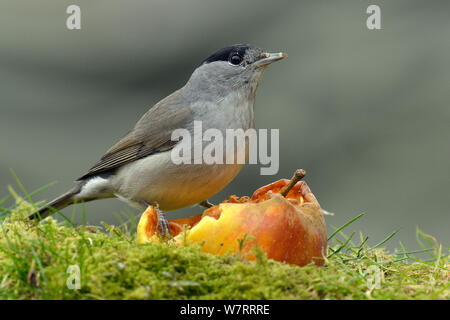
x,y
288,228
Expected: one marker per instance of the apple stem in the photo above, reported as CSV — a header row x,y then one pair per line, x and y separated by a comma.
x,y
298,175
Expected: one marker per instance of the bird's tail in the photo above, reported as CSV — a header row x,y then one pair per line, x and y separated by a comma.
x,y
59,203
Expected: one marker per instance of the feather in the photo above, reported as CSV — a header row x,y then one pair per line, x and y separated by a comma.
x,y
152,134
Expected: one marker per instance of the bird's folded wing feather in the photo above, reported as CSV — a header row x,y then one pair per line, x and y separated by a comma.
x,y
152,134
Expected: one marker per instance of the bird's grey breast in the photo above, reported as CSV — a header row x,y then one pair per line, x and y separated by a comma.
x,y
231,111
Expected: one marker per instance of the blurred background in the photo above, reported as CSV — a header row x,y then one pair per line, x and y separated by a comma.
x,y
366,113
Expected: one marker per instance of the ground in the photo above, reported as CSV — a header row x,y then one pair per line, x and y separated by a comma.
x,y
42,262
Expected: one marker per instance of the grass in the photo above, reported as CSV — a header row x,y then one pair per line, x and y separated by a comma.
x,y
40,263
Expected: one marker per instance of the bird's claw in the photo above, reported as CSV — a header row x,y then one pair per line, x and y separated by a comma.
x,y
206,204
163,223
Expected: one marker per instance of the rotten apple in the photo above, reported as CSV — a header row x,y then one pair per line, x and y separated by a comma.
x,y
283,219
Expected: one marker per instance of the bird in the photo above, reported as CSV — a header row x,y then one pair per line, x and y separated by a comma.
x,y
139,170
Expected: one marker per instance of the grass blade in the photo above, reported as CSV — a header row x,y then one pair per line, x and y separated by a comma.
x,y
345,225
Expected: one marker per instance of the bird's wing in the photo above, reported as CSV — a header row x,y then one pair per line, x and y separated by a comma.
x,y
152,134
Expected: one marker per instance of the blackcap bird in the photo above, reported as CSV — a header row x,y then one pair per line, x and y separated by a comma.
x,y
139,170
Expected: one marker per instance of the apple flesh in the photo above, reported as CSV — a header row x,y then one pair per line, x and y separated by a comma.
x,y
290,229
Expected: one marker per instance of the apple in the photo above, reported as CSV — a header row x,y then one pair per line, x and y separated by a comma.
x,y
283,219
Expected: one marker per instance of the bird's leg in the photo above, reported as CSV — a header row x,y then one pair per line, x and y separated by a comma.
x,y
206,204
163,223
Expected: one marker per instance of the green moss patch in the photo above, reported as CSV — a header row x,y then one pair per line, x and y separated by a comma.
x,y
39,262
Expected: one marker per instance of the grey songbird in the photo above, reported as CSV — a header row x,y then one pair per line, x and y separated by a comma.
x,y
139,169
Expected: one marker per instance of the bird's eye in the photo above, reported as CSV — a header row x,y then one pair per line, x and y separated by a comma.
x,y
235,59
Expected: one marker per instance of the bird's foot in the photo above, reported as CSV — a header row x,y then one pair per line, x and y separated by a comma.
x,y
163,223
206,204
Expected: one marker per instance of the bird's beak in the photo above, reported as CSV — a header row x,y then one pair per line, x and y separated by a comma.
x,y
268,58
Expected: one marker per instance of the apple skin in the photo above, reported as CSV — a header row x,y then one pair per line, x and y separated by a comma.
x,y
289,229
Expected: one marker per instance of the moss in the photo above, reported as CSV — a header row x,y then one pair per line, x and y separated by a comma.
x,y
34,262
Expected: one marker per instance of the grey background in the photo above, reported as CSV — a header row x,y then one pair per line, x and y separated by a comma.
x,y
366,113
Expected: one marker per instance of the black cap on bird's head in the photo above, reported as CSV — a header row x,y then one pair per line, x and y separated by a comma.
x,y
226,53
243,55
